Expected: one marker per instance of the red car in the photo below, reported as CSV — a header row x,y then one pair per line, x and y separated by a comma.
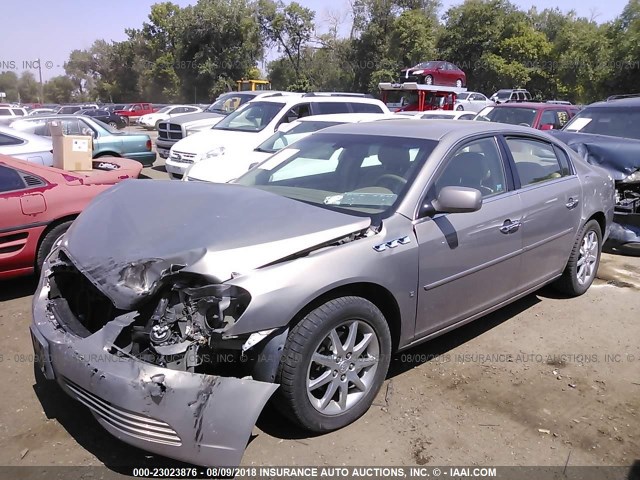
x,y
434,73
542,116
38,204
133,111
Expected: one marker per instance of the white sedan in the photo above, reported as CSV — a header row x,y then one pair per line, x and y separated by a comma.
x,y
26,146
472,102
150,121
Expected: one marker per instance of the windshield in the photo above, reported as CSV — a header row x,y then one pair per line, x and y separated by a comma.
x,y
502,94
427,65
279,140
614,122
511,115
252,118
360,174
228,103
463,96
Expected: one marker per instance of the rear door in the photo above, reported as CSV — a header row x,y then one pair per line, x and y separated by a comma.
x,y
551,194
469,261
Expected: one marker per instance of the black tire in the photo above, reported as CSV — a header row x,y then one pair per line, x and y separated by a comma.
x,y
427,80
292,399
568,283
48,240
460,108
113,124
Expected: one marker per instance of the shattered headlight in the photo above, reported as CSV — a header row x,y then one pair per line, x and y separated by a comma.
x,y
633,178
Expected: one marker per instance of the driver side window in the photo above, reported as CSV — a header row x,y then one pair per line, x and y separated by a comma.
x,y
477,164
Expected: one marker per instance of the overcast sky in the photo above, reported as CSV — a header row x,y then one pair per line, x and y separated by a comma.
x,y
50,30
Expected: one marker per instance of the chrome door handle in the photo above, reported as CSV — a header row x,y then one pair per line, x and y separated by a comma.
x,y
572,203
509,227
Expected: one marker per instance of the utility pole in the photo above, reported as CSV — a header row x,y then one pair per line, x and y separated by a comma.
x,y
41,99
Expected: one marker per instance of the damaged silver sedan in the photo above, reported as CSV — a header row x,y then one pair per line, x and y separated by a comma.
x,y
176,320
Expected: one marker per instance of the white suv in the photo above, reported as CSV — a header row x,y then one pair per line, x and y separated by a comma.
x,y
250,125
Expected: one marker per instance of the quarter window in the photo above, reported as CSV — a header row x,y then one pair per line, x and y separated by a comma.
x,y
10,180
478,165
535,160
6,140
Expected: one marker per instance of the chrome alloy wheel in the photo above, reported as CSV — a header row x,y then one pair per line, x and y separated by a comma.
x,y
343,367
587,258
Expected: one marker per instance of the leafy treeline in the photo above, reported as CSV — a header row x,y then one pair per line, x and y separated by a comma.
x,y
192,54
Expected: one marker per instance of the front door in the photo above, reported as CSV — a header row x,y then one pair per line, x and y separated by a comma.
x,y
469,261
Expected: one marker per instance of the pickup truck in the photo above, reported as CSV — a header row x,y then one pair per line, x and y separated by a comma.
x,y
174,129
132,111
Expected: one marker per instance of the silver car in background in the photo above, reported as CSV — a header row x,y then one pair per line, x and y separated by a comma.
x,y
299,283
26,146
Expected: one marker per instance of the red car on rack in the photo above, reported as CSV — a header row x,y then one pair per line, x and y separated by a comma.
x,y
38,204
132,111
434,73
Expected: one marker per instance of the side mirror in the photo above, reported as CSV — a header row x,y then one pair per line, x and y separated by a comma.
x,y
454,200
253,165
547,126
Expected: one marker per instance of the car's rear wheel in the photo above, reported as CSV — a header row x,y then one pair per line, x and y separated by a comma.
x,y
49,240
459,83
333,365
427,80
113,124
460,108
583,262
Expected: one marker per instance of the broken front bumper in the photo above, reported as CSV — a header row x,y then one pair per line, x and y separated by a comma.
x,y
200,419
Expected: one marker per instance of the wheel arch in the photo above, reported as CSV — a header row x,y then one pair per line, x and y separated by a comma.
x,y
375,293
45,232
601,219
107,154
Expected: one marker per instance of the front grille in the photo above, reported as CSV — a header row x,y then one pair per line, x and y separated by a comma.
x,y
130,423
169,131
183,157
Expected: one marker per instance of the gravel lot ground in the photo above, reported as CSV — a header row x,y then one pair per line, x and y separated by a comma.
x,y
545,381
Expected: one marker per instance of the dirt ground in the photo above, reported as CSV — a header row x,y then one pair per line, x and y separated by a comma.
x,y
544,381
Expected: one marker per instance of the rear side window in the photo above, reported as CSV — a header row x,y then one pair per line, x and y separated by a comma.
x,y
6,140
17,112
326,108
10,180
5,112
536,161
366,108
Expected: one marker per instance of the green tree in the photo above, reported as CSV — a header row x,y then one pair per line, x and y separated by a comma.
x,y
9,85
28,88
624,34
59,89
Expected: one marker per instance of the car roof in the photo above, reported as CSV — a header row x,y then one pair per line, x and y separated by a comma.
x,y
29,137
320,99
345,117
533,105
428,129
617,102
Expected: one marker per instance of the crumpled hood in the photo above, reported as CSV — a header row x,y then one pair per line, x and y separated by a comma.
x,y
136,233
619,156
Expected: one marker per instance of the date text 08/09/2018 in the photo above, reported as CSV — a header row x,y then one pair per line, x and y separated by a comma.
x,y
314,472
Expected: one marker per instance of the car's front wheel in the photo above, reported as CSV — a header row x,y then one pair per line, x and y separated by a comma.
x,y
582,266
427,80
334,363
459,83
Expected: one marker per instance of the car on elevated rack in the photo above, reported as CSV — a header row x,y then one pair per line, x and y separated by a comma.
x,y
38,204
434,73
107,141
252,124
299,282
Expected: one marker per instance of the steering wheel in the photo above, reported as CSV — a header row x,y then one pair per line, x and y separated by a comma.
x,y
391,180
